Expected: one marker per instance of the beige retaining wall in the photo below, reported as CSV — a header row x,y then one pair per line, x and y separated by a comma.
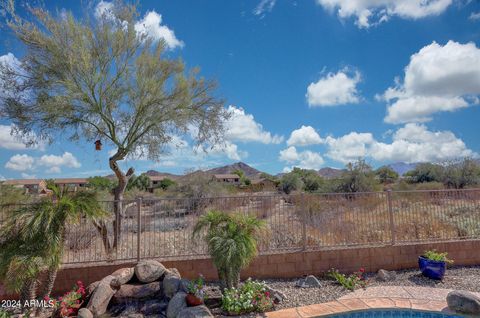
x,y
288,265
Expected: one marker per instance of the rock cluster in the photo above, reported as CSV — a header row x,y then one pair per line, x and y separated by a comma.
x,y
147,290
464,302
308,282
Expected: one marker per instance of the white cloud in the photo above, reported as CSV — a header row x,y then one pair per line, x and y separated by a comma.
x,y
411,143
104,8
350,147
263,7
229,149
12,142
372,12
474,16
2,178
304,136
28,176
20,163
438,78
54,163
243,127
305,159
334,89
151,26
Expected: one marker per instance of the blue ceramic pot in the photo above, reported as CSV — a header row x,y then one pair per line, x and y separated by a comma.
x,y
432,269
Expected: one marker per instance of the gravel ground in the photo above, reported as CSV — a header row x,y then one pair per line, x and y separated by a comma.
x,y
466,278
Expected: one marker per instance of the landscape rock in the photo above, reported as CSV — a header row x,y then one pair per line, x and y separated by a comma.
x,y
184,284
213,296
176,304
90,289
149,271
122,276
101,297
173,272
307,282
171,283
386,276
195,312
464,302
153,307
130,292
84,313
276,295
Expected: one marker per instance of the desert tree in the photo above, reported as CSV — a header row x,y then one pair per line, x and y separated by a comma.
x,y
97,78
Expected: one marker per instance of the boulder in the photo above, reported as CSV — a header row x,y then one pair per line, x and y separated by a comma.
x,y
122,276
184,284
307,282
153,307
464,302
174,272
213,297
101,297
128,293
90,289
386,276
149,271
84,313
171,283
195,312
176,304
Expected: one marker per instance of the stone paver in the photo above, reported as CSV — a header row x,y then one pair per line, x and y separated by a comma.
x,y
419,298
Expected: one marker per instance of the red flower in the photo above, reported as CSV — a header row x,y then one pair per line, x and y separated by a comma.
x,y
267,294
362,269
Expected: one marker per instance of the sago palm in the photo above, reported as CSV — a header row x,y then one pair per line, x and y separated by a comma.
x,y
232,242
33,238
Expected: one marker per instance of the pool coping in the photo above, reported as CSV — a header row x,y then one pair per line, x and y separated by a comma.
x,y
382,297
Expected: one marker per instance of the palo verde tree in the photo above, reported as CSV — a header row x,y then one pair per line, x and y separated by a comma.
x,y
96,78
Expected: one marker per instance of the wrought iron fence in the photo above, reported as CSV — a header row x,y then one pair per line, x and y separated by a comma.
x,y
163,227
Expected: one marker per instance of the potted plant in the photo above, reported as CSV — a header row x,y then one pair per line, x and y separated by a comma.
x,y
196,292
433,264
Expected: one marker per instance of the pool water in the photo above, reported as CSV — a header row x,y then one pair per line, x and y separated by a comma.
x,y
393,314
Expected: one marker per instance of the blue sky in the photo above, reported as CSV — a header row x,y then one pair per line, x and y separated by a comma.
x,y
311,83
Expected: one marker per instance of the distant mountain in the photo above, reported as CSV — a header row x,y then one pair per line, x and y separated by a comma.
x,y
249,171
154,173
330,173
402,167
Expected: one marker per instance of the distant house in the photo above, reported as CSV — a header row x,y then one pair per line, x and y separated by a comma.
x,y
39,186
227,178
263,184
155,182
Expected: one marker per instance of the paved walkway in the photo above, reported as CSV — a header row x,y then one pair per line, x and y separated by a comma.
x,y
420,298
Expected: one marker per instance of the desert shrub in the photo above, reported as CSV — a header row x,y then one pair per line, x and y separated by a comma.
x,y
351,281
386,175
141,182
425,172
251,296
12,195
290,182
101,183
461,174
358,177
430,186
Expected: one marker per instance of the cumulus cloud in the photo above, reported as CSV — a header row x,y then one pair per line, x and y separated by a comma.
x,y
52,163
334,89
20,163
411,143
305,159
243,127
304,136
263,7
437,79
12,142
372,12
151,26
28,175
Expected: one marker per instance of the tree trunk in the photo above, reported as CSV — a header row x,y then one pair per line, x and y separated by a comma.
x,y
28,292
51,275
118,203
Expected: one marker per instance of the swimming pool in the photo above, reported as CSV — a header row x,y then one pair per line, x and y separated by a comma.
x,y
392,313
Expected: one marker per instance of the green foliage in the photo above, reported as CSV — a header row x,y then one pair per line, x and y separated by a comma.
x,y
290,182
427,186
100,183
437,256
142,182
251,296
5,314
12,195
197,288
425,172
359,177
386,175
166,183
350,282
461,174
33,237
232,242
